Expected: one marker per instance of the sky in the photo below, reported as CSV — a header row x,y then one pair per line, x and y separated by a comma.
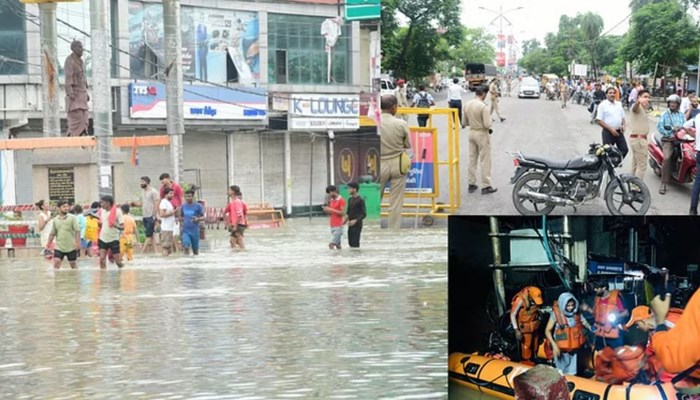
x,y
538,17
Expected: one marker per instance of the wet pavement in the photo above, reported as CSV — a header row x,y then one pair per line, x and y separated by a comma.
x,y
287,318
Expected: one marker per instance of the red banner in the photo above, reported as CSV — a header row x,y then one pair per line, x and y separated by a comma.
x,y
500,59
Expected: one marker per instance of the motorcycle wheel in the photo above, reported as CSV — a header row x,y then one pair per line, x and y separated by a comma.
x,y
534,181
640,196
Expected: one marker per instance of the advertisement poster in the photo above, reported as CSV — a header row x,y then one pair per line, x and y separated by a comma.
x,y
421,176
147,101
356,156
218,46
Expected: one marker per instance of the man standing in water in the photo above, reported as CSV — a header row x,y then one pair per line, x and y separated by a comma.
x,y
192,215
356,213
167,225
150,202
336,210
111,224
66,231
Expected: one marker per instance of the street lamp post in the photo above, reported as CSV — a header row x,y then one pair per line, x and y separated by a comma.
x,y
501,15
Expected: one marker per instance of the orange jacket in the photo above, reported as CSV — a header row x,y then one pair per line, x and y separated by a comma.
x,y
568,338
605,328
619,365
679,348
654,366
528,316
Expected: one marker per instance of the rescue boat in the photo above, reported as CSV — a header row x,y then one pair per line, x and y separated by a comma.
x,y
495,378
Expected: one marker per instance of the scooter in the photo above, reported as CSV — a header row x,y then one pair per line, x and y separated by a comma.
x,y
684,167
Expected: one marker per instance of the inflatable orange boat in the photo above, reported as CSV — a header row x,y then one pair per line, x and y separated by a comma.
x,y
495,377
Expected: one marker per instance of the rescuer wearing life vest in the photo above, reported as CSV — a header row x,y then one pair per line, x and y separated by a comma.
x,y
609,312
644,319
525,318
678,349
568,336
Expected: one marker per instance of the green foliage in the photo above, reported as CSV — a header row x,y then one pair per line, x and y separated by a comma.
x,y
659,34
414,51
530,45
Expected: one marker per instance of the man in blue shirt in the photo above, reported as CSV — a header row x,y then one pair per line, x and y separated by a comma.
x,y
202,47
674,120
192,215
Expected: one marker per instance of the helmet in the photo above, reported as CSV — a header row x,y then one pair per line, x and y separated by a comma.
x,y
535,295
673,97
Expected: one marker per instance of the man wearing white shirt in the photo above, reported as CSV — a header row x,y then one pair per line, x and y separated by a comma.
x,y
685,103
454,97
611,117
695,123
167,224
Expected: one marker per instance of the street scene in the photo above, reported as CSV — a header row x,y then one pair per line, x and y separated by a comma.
x,y
573,307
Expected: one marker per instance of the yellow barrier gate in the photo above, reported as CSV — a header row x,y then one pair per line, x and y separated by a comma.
x,y
425,141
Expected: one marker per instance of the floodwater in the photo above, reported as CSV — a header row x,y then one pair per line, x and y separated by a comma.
x,y
285,319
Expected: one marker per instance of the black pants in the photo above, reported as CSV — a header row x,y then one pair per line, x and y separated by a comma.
x,y
618,141
422,119
458,105
354,235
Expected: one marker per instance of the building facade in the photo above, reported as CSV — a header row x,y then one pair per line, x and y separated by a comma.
x,y
243,64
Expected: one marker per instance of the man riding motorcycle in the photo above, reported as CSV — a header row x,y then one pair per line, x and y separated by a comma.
x,y
671,121
598,97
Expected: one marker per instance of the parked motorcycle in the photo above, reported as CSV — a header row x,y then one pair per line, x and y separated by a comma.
x,y
543,184
684,166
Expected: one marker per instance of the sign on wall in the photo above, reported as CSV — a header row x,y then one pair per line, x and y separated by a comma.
x,y
147,100
62,184
324,112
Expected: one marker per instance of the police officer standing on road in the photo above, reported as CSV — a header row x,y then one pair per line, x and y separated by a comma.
x,y
395,160
478,118
495,91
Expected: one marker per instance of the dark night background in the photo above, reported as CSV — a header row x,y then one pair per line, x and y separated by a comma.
x,y
676,239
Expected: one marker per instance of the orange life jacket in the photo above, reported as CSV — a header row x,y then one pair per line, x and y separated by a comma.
x,y
654,366
568,338
619,365
528,316
605,328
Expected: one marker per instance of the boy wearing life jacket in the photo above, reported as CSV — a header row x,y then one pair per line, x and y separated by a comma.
x,y
678,349
567,326
609,312
525,318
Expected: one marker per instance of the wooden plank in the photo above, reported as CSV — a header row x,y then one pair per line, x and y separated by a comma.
x,y
46,143
142,141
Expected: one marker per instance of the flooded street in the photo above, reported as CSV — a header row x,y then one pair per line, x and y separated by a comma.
x,y
287,318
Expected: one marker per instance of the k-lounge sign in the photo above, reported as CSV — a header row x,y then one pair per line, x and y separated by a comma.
x,y
320,112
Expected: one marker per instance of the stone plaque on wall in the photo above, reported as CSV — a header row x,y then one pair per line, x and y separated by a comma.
x,y
62,184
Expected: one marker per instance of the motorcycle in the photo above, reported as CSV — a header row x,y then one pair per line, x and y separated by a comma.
x,y
545,184
684,167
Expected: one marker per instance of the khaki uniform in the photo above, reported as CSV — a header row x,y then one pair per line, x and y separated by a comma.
x,y
476,115
495,95
395,139
76,85
403,102
564,93
639,126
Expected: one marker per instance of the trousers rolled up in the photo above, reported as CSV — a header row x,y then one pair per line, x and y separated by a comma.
x,y
391,173
479,155
667,165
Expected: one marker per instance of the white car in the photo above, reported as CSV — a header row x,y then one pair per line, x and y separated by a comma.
x,y
529,87
387,87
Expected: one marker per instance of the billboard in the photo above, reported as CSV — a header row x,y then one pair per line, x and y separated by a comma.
x,y
421,176
217,45
500,59
147,101
324,112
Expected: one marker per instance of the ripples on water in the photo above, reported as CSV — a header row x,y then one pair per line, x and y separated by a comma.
x,y
285,319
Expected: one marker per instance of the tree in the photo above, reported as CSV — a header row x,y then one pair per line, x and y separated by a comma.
x,y
636,5
530,45
475,47
591,26
410,51
659,34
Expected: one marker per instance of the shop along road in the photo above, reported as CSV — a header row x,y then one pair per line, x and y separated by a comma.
x,y
542,128
287,318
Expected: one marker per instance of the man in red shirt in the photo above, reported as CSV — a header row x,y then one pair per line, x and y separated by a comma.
x,y
336,209
178,194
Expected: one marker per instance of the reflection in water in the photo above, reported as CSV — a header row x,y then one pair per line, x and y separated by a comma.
x,y
286,319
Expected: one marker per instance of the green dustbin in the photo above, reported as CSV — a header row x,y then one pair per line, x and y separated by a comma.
x,y
371,194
